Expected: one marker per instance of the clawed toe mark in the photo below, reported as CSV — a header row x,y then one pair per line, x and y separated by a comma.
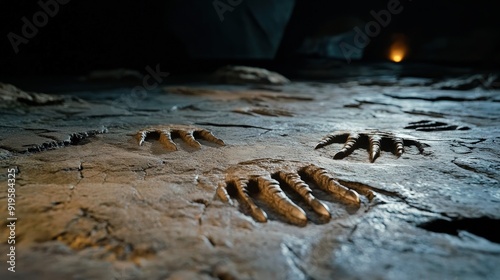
x,y
269,184
374,142
188,134
429,126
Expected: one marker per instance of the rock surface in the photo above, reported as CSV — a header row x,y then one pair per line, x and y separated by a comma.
x,y
106,208
248,75
11,95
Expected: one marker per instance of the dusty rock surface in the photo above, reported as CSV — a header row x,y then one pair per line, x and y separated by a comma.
x,y
11,95
248,75
99,206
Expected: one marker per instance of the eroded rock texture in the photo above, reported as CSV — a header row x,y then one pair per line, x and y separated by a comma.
x,y
105,208
248,75
10,95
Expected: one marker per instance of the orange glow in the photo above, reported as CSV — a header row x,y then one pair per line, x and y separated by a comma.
x,y
398,49
396,55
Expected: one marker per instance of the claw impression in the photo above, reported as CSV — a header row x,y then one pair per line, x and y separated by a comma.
x,y
374,142
268,185
188,134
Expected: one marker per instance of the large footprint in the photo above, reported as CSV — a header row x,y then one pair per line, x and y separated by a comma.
x,y
373,141
264,179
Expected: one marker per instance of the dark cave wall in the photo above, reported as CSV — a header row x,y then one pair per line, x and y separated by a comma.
x,y
88,35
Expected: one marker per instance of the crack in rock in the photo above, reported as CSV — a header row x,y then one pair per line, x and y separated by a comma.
x,y
485,227
360,103
234,125
482,166
439,98
78,138
87,231
294,263
429,126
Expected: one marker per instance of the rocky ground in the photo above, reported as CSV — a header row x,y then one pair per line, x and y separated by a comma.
x,y
92,204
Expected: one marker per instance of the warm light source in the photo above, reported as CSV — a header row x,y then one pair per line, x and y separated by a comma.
x,y
398,48
396,57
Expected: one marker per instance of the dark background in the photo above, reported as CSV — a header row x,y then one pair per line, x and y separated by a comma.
x,y
90,35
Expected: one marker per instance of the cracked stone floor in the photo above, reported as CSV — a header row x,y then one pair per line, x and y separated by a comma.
x,y
93,204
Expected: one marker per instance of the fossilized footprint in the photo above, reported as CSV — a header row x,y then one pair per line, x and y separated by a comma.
x,y
373,141
427,125
265,180
186,132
